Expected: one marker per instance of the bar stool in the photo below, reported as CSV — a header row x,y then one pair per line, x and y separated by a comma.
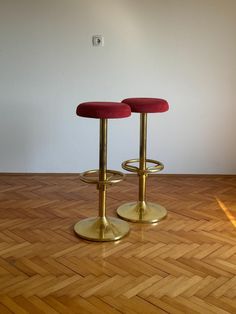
x,y
102,228
143,211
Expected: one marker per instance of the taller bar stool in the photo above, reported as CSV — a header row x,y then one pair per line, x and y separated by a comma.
x,y
102,228
143,211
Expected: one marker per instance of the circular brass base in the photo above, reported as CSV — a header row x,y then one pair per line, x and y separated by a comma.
x,y
101,229
142,212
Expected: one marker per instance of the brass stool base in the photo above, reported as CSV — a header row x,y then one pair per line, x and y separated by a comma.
x,y
101,229
142,212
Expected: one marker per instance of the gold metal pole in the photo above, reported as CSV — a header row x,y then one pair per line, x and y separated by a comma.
x,y
102,228
142,211
142,159
102,167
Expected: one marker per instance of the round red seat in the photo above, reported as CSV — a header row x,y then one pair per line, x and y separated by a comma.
x,y
147,105
103,110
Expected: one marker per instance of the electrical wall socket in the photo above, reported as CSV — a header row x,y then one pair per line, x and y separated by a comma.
x,y
98,40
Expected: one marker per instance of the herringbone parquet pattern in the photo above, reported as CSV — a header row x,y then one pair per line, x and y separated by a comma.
x,y
186,264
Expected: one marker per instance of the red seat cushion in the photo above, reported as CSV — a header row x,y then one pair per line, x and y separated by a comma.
x,y
103,110
146,105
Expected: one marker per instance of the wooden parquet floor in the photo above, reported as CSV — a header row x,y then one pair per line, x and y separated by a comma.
x,y
185,264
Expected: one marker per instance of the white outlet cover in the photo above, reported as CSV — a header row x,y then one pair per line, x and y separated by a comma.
x,y
98,40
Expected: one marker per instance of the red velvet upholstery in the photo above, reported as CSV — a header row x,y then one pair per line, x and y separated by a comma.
x,y
103,110
146,105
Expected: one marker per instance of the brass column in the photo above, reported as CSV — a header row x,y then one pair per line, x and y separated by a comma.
x,y
142,211
142,160
102,228
102,167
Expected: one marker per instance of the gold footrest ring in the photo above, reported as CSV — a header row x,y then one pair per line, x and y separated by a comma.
x,y
142,212
158,166
115,177
102,229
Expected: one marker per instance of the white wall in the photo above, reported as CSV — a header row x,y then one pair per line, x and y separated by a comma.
x,y
181,50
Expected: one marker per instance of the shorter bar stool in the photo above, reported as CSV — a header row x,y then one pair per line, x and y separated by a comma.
x,y
143,211
102,228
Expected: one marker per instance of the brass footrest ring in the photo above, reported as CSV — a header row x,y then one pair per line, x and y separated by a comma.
x,y
127,165
115,177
